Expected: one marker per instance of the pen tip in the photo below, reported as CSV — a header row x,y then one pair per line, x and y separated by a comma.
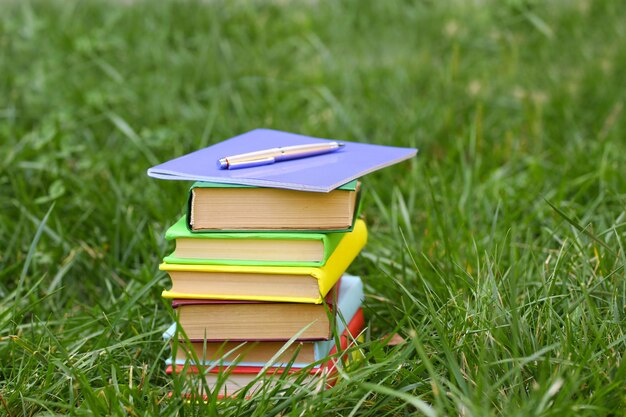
x,y
341,145
222,163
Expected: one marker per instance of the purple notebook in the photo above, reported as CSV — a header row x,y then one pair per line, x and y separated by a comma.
x,y
321,173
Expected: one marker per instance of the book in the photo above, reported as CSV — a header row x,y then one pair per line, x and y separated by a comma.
x,y
300,284
229,382
298,354
321,173
250,248
219,320
227,207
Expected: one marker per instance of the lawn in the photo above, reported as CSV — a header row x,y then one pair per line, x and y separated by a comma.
x,y
497,254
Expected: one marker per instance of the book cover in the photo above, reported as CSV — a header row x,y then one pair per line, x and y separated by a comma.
x,y
179,230
326,276
321,173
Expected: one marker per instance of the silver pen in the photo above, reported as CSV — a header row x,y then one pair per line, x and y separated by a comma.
x,y
270,156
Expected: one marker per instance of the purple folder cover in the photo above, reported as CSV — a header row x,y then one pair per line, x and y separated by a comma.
x,y
321,173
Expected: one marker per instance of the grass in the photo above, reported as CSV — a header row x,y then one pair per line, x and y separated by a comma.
x,y
498,254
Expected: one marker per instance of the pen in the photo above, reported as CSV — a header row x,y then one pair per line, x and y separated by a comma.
x,y
270,156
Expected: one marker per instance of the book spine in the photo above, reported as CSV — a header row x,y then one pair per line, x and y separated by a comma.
x,y
341,257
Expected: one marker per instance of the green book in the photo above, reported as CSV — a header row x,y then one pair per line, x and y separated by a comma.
x,y
214,207
250,248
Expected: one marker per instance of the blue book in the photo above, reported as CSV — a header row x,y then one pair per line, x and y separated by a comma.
x,y
321,173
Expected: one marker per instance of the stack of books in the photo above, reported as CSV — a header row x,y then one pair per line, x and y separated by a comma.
x,y
258,274
260,289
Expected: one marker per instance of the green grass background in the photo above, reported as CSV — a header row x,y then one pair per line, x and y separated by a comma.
x,y
497,254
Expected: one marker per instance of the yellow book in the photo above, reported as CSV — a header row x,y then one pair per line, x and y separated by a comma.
x,y
299,284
